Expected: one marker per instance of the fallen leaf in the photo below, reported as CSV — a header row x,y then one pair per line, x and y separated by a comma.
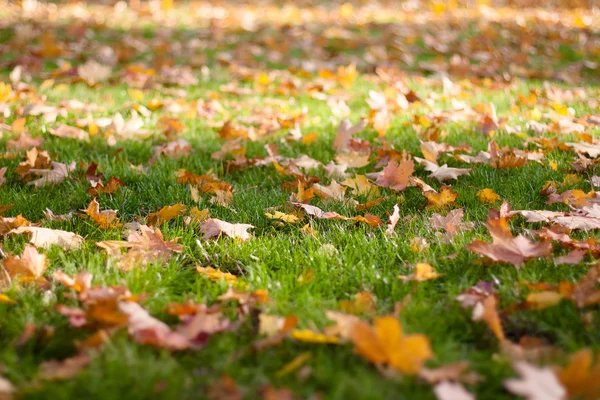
x,y
46,237
395,175
106,219
215,227
451,391
166,214
443,199
535,383
57,174
444,172
422,272
507,248
394,218
385,343
488,196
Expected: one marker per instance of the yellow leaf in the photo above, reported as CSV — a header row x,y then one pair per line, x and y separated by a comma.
x,y
5,299
306,335
488,196
216,275
385,342
294,364
198,215
560,109
290,218
553,165
166,213
442,199
18,125
136,94
540,300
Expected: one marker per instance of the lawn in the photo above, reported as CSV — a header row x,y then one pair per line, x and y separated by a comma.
x,y
177,120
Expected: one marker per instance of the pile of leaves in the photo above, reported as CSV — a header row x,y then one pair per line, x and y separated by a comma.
x,y
307,187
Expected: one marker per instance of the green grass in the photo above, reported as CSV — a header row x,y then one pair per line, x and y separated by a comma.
x,y
274,259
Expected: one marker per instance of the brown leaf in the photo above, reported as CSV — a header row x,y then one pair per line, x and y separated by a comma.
x,y
30,266
166,214
507,248
345,132
71,132
444,172
7,389
215,227
451,391
106,219
111,186
64,369
57,174
46,237
535,383
395,175
147,330
394,218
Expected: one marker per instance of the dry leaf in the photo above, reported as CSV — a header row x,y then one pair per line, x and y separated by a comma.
x,y
451,391
395,175
394,218
166,214
507,248
46,237
386,343
535,383
215,227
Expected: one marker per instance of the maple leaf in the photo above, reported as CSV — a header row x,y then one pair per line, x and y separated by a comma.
x,y
57,174
64,369
507,248
289,218
70,132
166,214
457,371
177,148
363,302
93,72
395,175
487,196
451,391
442,199
581,376
147,330
444,172
360,186
29,267
197,216
46,237
452,223
334,191
422,272
215,227
145,245
316,212
394,218
216,275
106,219
111,186
80,282
386,343
535,383
591,149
